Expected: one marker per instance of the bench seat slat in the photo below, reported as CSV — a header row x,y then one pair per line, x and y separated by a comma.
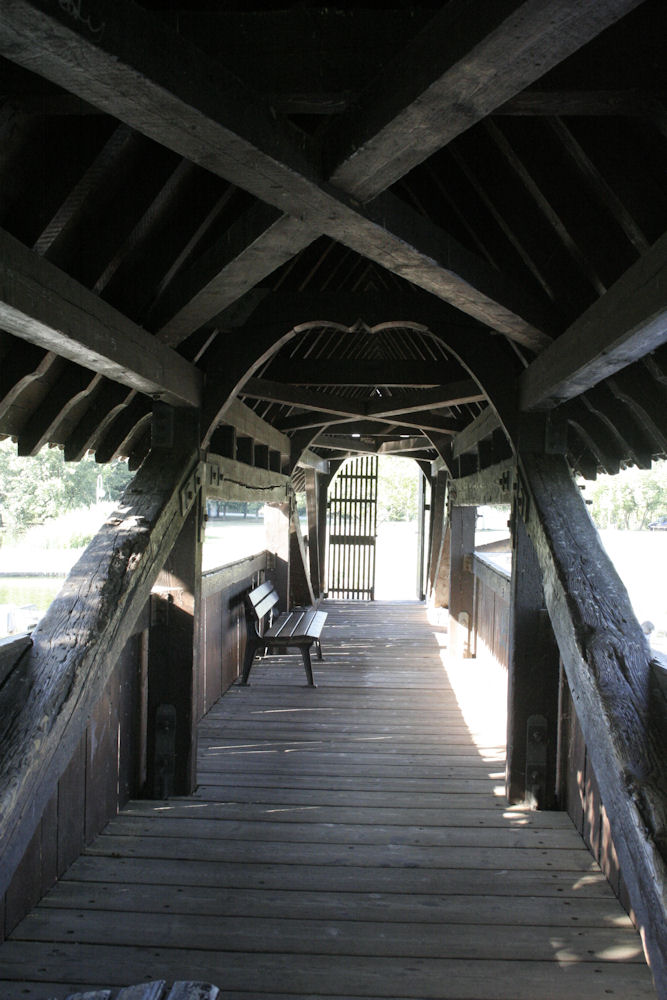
x,y
267,604
306,624
257,595
298,629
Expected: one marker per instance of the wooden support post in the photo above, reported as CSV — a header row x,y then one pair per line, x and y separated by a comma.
x,y
77,644
173,666
223,441
300,586
245,450
440,596
608,665
322,514
532,718
421,541
312,508
461,580
438,512
277,532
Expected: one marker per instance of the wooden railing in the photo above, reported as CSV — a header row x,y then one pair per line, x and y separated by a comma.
x,y
491,606
11,650
101,776
109,765
222,625
578,792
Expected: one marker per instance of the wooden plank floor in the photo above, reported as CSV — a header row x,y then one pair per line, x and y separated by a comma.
x,y
345,842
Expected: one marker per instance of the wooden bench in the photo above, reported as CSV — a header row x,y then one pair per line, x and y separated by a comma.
x,y
297,629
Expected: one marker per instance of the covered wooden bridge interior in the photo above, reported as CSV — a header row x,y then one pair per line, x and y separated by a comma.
x,y
243,242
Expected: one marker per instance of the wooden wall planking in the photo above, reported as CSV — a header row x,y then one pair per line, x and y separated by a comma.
x,y
222,634
101,777
492,611
581,798
105,771
579,795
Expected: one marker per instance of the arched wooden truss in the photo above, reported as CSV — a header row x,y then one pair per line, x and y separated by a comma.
x,y
439,231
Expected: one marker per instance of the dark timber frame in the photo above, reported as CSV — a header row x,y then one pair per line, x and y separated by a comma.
x,y
443,236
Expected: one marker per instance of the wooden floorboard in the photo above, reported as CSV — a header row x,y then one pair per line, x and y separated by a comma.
x,y
349,841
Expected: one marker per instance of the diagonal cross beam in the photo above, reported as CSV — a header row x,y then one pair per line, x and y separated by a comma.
x,y
41,304
455,394
171,92
467,61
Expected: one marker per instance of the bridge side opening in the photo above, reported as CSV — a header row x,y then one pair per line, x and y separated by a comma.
x,y
378,529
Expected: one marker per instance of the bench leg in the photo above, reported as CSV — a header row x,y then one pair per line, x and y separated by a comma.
x,y
250,650
319,649
305,656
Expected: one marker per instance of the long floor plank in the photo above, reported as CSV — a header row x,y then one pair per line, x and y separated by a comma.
x,y
349,841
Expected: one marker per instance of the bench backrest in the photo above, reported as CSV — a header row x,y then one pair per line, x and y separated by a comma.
x,y
263,599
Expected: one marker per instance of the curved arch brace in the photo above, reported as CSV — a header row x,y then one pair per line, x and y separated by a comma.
x,y
280,319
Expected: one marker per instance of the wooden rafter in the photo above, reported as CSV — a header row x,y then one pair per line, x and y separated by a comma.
x,y
564,102
467,61
41,304
440,397
607,661
214,122
90,622
629,321
480,428
405,424
401,372
73,385
258,243
403,445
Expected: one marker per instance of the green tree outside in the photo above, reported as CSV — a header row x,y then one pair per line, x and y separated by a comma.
x,y
35,490
398,481
631,500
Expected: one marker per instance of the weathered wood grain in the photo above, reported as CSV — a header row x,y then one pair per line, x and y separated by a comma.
x,y
358,976
12,649
607,661
626,323
332,936
464,64
45,705
43,305
232,480
214,121
553,911
280,878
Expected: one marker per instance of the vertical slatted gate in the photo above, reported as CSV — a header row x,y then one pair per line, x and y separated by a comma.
x,y
352,530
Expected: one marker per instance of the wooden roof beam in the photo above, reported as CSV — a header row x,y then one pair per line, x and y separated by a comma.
x,y
465,391
466,62
348,444
427,423
455,394
250,424
44,306
535,102
626,323
255,245
405,444
480,428
403,372
320,402
203,113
